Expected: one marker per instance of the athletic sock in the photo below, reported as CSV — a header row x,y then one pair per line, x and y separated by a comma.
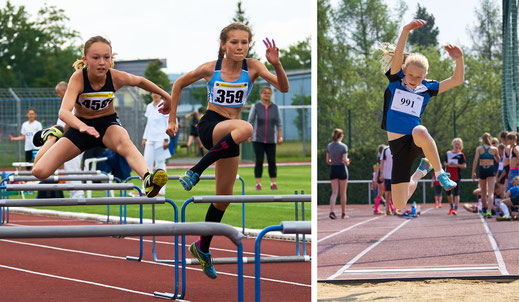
x,y
456,208
377,202
504,208
438,173
484,209
220,149
213,215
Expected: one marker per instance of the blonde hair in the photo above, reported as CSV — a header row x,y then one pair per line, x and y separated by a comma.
x,y
415,59
379,149
224,35
515,179
79,64
61,86
486,138
457,139
336,135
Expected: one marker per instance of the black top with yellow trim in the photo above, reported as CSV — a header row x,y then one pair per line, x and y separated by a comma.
x,y
96,100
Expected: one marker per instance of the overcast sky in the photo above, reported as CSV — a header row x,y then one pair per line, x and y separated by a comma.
x,y
185,32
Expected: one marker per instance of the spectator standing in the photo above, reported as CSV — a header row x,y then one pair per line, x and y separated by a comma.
x,y
266,121
29,128
337,158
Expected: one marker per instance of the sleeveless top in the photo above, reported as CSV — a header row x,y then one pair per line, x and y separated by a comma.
x,y
485,154
95,100
229,94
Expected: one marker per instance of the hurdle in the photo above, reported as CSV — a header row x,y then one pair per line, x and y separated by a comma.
x,y
97,201
286,227
243,199
210,177
70,177
176,229
61,172
62,187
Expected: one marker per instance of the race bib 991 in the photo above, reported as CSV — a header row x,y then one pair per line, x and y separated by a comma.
x,y
407,102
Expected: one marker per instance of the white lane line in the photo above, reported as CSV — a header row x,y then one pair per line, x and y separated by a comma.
x,y
499,257
77,280
364,252
421,270
148,262
347,229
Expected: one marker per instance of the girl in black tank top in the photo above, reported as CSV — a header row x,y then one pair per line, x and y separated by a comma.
x,y
91,92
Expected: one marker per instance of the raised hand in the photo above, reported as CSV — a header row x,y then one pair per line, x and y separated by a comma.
x,y
454,51
417,23
272,52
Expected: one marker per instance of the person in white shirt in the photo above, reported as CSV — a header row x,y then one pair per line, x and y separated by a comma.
x,y
155,141
28,129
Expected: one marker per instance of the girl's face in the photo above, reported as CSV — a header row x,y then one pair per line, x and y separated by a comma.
x,y
31,115
156,97
98,58
266,94
456,145
414,75
237,45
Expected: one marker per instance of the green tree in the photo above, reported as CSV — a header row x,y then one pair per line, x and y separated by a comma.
x,y
239,16
428,34
36,52
486,33
298,56
154,73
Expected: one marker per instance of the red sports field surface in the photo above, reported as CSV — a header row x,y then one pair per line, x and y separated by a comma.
x,y
433,245
94,269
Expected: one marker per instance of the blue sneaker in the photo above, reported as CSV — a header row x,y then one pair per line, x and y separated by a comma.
x,y
446,182
189,179
425,166
205,260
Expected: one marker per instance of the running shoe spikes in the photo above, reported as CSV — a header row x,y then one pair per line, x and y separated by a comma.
x,y
425,166
154,182
189,179
446,182
204,259
41,136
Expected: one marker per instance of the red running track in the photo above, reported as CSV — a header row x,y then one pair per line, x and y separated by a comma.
x,y
94,269
435,244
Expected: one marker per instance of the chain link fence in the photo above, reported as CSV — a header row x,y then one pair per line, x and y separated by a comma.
x,y
130,107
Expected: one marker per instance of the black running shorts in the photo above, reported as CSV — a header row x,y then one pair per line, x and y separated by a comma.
x,y
86,141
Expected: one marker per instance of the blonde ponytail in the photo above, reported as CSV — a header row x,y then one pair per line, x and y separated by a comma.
x,y
79,64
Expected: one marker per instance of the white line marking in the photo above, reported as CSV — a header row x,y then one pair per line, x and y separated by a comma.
x,y
420,270
347,229
77,280
499,257
148,262
364,252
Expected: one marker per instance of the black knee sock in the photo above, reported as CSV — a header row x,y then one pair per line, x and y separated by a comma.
x,y
213,215
217,151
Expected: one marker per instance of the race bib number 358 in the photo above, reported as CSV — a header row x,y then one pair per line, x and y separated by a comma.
x,y
407,102
229,94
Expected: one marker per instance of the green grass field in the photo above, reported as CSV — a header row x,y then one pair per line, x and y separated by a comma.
x,y
290,179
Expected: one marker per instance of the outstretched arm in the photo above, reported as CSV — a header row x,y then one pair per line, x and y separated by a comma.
x,y
458,76
398,58
189,78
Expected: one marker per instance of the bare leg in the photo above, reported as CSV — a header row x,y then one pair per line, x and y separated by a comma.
x,y
60,152
484,196
424,140
491,182
51,140
335,190
117,139
343,186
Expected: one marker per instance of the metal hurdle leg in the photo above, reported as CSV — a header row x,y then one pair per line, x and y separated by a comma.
x,y
290,227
